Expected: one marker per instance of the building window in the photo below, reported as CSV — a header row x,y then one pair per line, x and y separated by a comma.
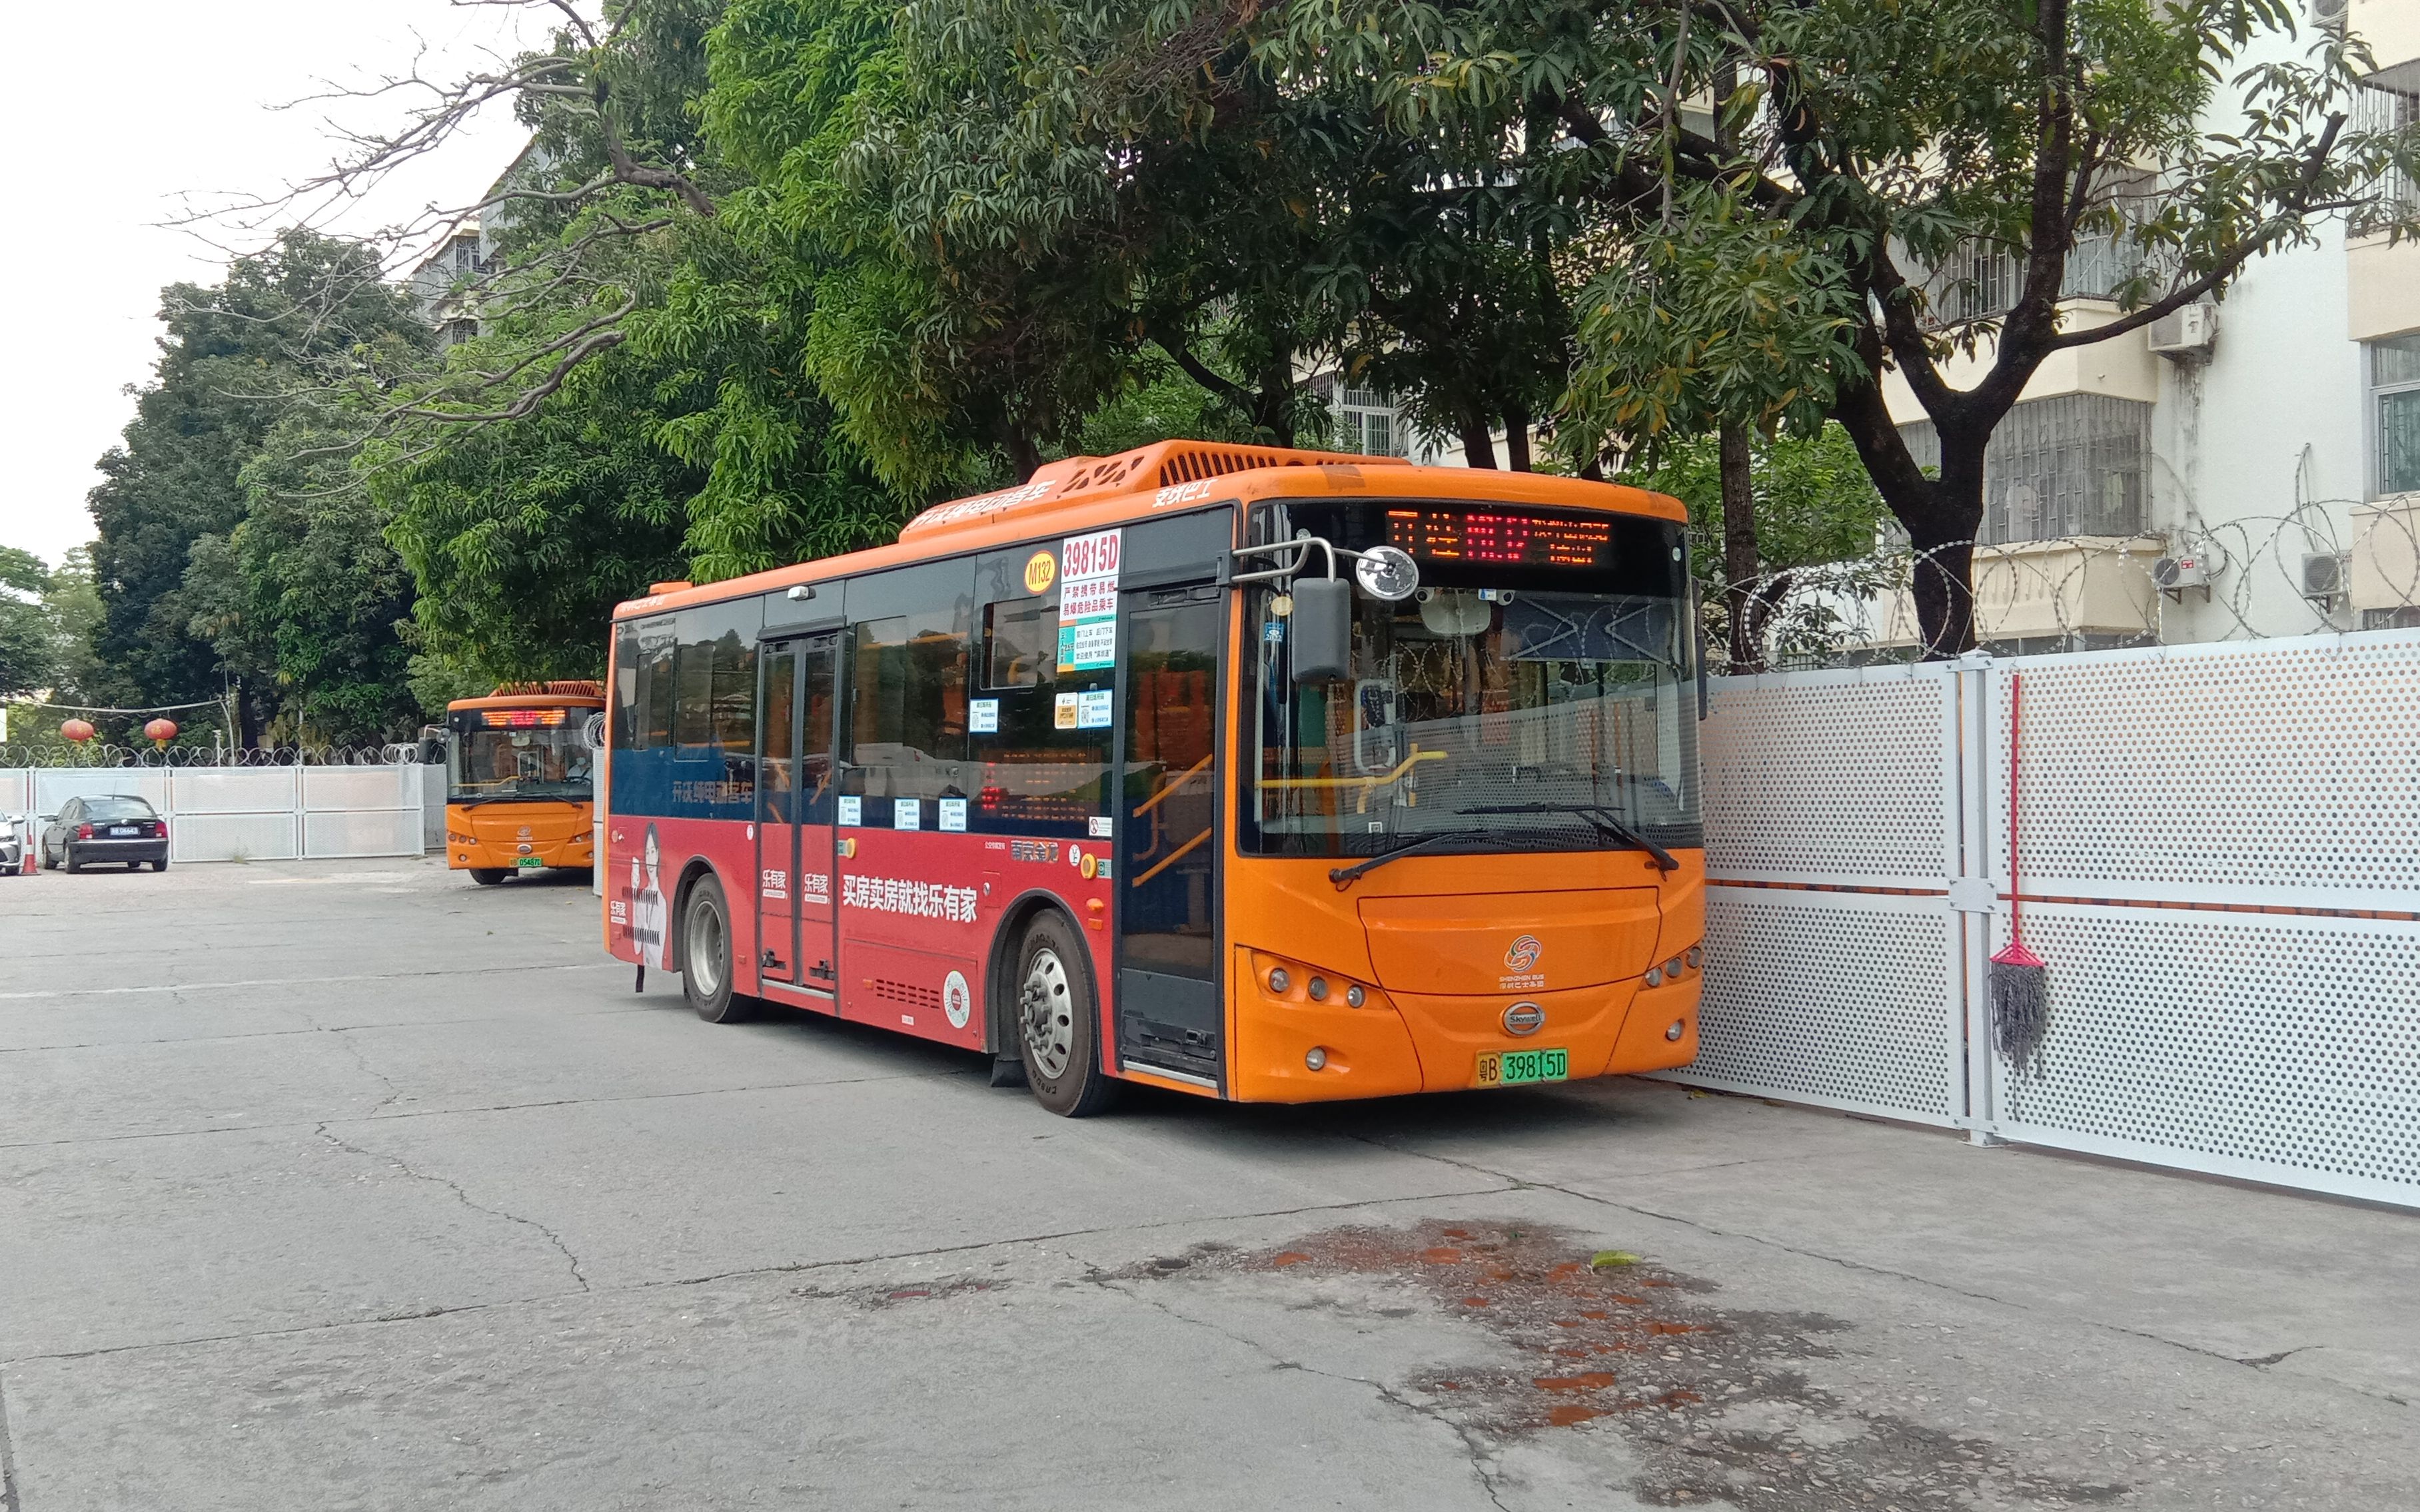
x,y
466,255
1368,422
2395,389
458,332
2376,108
2076,464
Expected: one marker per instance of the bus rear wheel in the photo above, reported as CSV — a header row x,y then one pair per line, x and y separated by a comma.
x,y
705,956
487,877
1057,1017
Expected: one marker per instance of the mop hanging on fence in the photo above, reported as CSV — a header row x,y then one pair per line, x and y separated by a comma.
x,y
2020,981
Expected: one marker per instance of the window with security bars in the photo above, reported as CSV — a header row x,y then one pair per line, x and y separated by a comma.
x,y
2077,465
2395,397
2376,108
1369,422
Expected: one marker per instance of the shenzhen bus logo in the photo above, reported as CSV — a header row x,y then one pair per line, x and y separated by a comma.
x,y
918,900
1524,954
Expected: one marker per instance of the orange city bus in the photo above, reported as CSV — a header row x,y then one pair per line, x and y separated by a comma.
x,y
1258,774
519,778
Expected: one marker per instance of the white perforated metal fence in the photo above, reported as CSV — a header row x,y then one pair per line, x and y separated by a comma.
x,y
262,813
2221,863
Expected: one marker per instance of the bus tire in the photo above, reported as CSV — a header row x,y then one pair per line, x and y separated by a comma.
x,y
487,877
705,956
1057,1015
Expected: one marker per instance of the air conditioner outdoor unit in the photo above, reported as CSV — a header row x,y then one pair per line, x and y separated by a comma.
x,y
2323,579
2174,575
2329,15
2189,331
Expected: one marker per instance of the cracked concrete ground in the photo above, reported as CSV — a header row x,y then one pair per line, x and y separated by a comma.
x,y
347,1185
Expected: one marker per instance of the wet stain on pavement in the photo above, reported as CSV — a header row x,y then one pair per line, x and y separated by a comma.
x,y
1604,1340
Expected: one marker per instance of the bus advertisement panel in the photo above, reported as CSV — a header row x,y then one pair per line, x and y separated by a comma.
x,y
519,783
1272,776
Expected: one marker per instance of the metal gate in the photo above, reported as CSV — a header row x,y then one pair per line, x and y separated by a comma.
x,y
2221,862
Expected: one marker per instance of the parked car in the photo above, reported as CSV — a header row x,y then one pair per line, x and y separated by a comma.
x,y
117,827
15,835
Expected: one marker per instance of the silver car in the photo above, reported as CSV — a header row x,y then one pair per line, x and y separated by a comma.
x,y
16,833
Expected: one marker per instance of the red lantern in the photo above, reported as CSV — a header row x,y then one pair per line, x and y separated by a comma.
x,y
78,731
161,731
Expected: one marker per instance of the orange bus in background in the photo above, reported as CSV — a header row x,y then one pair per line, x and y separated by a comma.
x,y
519,778
1257,774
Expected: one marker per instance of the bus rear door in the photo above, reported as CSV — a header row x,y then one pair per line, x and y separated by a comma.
x,y
795,810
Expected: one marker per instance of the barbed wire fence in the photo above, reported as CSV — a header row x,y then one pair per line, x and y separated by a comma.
x,y
52,756
2252,577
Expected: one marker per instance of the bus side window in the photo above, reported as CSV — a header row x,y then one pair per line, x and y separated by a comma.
x,y
1020,644
624,724
654,719
908,717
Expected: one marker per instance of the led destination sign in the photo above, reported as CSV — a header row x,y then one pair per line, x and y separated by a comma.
x,y
1520,540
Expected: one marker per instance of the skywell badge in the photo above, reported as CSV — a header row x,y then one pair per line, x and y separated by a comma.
x,y
1523,1018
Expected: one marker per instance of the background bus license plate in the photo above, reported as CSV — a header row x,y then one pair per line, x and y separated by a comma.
x,y
1515,1068
527,861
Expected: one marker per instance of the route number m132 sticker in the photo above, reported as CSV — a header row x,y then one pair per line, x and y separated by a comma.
x,y
1088,600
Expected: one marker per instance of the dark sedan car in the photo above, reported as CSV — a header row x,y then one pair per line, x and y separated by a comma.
x,y
115,828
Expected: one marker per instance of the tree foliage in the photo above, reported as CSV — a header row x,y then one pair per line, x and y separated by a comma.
x,y
235,422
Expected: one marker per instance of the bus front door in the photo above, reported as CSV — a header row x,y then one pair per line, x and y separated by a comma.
x,y
1169,1018
795,810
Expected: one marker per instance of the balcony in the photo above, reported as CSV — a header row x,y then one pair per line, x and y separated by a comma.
x,y
2074,594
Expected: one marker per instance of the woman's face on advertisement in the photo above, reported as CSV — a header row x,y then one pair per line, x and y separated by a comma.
x,y
655,853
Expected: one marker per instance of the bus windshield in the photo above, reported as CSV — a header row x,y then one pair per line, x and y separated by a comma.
x,y
1519,690
485,760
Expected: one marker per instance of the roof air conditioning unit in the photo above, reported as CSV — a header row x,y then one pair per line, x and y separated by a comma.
x,y
2187,331
2329,16
2174,575
2323,579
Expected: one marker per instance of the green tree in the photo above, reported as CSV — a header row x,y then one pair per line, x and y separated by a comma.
x,y
522,535
28,639
309,317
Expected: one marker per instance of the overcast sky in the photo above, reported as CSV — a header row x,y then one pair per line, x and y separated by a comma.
x,y
170,96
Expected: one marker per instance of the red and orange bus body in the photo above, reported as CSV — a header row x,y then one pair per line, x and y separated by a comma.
x,y
1067,709
519,778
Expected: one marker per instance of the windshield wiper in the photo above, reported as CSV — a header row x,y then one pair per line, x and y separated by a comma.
x,y
1599,817
1344,876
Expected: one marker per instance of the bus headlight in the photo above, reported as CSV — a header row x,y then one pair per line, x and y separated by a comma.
x,y
1354,996
1280,980
1654,975
1317,987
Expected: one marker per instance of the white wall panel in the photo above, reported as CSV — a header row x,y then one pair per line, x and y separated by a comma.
x,y
1846,999
361,832
224,789
1836,776
54,786
241,837
2279,1048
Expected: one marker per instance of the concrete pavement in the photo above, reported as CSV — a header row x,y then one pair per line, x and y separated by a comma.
x,y
351,1185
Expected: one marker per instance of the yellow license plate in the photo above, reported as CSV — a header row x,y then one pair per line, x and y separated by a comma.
x,y
1520,1068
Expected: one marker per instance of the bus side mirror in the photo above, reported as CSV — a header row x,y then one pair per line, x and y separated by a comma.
x,y
432,751
1322,631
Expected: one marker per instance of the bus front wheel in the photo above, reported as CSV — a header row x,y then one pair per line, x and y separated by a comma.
x,y
705,956
1058,1020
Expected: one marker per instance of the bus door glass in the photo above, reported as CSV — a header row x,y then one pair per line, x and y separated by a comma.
x,y
795,802
1169,1012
